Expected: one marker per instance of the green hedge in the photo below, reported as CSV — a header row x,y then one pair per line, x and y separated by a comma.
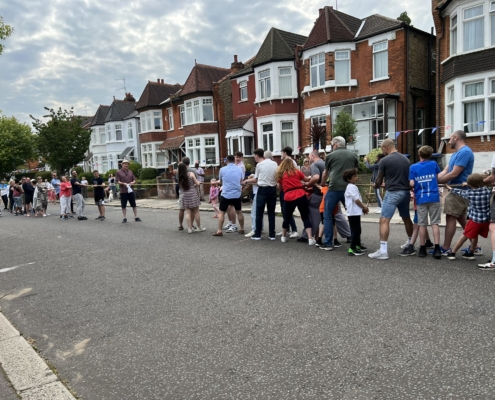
x,y
148,173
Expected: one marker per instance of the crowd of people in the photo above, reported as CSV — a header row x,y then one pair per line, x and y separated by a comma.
x,y
318,190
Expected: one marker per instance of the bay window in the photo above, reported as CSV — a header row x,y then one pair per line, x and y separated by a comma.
x,y
170,119
130,134
492,22
380,60
118,132
473,25
109,133
265,84
285,81
492,105
208,109
103,136
182,116
453,35
197,110
203,149
157,119
450,106
317,66
151,120
342,67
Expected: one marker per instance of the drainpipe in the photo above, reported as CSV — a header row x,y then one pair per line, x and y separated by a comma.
x,y
437,94
406,105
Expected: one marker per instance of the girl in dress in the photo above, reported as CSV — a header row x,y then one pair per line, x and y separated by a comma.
x,y
214,196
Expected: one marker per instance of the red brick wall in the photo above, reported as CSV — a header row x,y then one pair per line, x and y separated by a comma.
x,y
197,129
152,137
245,107
277,107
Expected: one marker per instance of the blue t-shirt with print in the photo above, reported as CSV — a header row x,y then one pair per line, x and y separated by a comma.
x,y
464,157
424,174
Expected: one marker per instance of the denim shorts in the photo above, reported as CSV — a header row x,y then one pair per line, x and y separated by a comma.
x,y
396,200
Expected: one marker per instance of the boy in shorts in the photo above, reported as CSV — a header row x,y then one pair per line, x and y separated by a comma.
x,y
99,194
423,178
478,214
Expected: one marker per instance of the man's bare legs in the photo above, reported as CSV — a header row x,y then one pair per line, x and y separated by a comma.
x,y
451,227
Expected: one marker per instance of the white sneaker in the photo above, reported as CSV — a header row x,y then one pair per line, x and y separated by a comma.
x,y
249,234
283,239
405,245
191,230
378,255
378,210
227,226
278,234
294,235
200,229
232,229
311,242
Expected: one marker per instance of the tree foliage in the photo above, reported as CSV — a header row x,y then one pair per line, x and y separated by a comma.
x,y
345,126
318,134
62,141
16,144
5,32
405,18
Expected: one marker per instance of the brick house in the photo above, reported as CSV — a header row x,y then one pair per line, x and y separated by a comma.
x,y
193,127
154,122
466,74
378,69
265,98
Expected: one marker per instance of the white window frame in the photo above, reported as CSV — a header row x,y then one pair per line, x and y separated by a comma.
x,y
130,131
377,51
491,104
342,61
102,136
450,103
194,110
147,119
454,34
243,91
109,133
182,113
269,134
282,77
491,17
316,62
207,103
265,86
480,98
469,20
286,130
170,115
118,131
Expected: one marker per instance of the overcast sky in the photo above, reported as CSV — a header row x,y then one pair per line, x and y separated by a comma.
x,y
70,53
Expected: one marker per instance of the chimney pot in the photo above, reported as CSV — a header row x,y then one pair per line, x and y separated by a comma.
x,y
235,58
163,81
158,81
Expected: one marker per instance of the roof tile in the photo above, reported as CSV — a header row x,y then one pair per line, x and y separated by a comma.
x,y
202,77
155,93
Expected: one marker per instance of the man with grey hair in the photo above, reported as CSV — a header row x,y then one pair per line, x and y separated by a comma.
x,y
339,160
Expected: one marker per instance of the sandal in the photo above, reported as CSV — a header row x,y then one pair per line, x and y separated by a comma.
x,y
181,228
218,234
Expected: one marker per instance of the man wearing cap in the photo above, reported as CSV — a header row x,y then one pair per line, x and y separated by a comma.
x,y
125,179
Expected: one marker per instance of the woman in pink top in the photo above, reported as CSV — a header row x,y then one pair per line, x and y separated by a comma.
x,y
65,197
290,181
214,196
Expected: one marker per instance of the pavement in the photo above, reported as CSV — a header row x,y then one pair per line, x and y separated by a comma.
x,y
143,311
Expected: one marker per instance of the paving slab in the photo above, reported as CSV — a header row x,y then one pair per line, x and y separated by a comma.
x,y
23,365
52,391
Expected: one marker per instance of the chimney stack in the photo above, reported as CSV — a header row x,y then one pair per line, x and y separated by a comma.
x,y
236,65
129,98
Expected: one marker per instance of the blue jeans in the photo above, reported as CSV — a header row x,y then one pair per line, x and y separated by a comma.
x,y
331,200
267,195
396,200
292,222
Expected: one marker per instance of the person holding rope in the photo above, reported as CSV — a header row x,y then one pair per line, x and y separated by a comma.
x,y
125,178
455,173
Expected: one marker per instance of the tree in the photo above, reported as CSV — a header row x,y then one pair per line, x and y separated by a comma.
x,y
405,18
5,32
345,126
317,134
62,141
16,144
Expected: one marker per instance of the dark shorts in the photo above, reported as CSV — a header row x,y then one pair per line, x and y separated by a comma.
x,y
124,197
99,199
492,209
28,199
225,203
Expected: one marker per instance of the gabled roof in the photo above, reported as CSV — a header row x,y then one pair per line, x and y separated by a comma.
x,y
101,114
248,68
155,93
278,45
376,24
239,122
333,26
86,121
119,110
202,77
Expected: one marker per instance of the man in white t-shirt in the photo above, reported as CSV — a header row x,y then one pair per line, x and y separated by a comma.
x,y
264,177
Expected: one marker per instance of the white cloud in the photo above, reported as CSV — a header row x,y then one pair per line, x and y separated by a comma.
x,y
70,52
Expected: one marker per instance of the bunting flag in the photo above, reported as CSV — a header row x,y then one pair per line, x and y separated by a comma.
x,y
377,134
420,131
386,135
466,124
481,122
408,131
448,127
397,134
434,130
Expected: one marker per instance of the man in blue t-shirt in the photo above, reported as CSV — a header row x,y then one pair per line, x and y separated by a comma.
x,y
423,178
456,173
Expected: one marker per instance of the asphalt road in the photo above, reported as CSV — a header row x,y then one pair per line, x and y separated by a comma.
x,y
143,311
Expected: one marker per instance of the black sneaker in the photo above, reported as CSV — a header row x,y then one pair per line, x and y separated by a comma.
x,y
318,242
468,255
124,220
98,217
102,219
408,251
302,240
422,252
429,244
82,218
137,219
336,243
362,248
451,256
355,252
437,253
326,247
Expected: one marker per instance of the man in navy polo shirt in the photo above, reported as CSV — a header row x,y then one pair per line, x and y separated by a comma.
x,y
230,177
